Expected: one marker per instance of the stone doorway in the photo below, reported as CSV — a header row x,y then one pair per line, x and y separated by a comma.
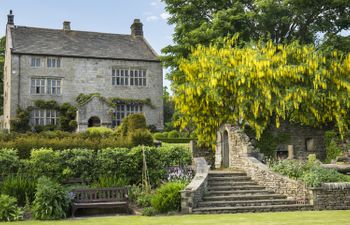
x,y
94,121
225,150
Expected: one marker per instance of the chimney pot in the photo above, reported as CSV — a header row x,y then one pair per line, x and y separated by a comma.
x,y
136,28
66,25
10,18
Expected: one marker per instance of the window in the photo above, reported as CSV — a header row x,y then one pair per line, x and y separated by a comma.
x,y
123,110
53,62
45,86
35,62
132,77
44,117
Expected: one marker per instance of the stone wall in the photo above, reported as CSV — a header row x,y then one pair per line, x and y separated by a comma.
x,y
206,152
193,193
82,75
331,196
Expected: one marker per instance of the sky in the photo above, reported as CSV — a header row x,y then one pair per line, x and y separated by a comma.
x,y
110,16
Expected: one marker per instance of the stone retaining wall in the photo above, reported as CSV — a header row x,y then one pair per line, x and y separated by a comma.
x,y
193,193
331,196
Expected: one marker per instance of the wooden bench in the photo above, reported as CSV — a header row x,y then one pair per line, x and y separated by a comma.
x,y
100,198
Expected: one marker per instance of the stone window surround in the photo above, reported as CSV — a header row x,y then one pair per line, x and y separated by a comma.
x,y
35,61
46,79
44,117
127,76
53,62
123,110
42,61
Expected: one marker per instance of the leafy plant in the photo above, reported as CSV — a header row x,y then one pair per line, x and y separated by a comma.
x,y
8,209
140,137
9,161
149,211
167,197
22,187
51,200
45,161
110,181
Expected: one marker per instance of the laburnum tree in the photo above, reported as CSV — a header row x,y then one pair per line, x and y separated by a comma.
x,y
250,84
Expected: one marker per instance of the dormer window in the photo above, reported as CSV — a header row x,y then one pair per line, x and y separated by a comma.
x,y
53,62
35,62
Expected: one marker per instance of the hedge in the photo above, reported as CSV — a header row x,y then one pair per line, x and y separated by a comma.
x,y
175,140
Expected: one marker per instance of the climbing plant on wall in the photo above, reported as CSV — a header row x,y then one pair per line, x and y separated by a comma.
x,y
253,83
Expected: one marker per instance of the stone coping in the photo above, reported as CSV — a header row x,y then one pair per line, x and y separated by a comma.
x,y
333,186
202,170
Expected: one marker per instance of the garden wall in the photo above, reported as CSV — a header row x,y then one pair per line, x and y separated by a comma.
x,y
331,196
193,193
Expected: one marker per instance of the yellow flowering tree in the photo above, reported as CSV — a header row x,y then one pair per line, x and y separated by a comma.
x,y
252,84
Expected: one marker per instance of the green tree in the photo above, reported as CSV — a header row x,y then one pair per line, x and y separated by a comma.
x,y
227,82
2,60
168,108
202,21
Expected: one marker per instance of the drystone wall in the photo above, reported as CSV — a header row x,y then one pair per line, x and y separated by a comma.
x,y
331,196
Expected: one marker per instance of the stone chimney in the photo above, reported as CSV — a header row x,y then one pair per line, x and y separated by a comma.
x,y
66,25
10,19
136,28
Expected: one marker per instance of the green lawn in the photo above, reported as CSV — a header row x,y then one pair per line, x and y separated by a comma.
x,y
299,218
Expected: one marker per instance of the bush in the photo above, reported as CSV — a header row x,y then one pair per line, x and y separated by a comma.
x,y
45,162
167,197
291,168
9,161
21,187
140,137
99,131
110,181
173,134
8,209
136,121
78,163
160,135
51,200
149,211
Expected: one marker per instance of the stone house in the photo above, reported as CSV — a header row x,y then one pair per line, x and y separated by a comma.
x,y
59,64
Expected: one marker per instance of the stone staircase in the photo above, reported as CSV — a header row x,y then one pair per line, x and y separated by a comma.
x,y
235,192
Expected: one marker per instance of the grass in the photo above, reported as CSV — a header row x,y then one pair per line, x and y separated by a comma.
x,y
288,218
187,145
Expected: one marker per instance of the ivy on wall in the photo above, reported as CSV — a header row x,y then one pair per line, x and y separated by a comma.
x,y
112,102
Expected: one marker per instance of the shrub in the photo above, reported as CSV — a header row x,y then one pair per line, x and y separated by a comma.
x,y
9,161
160,135
140,137
149,211
8,209
291,168
78,163
167,197
318,175
45,162
173,134
110,181
51,200
21,187
113,161
99,131
136,121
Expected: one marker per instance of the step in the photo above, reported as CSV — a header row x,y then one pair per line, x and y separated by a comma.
x,y
226,174
243,197
246,203
231,183
266,208
234,188
235,178
238,192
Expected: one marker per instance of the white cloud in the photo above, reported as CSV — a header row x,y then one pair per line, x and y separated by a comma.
x,y
165,15
152,18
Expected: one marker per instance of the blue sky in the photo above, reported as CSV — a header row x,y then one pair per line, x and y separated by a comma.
x,y
110,16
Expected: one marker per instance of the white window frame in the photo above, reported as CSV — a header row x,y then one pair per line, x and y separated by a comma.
x,y
53,62
43,117
129,77
45,85
35,62
123,110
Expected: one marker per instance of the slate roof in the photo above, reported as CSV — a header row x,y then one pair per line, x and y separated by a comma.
x,y
42,41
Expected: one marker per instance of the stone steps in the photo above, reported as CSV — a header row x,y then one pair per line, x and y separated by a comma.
x,y
235,192
244,209
239,203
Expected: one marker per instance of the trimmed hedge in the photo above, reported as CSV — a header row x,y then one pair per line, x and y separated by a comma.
x,y
175,140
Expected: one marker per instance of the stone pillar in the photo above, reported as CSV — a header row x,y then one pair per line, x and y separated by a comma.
x,y
290,152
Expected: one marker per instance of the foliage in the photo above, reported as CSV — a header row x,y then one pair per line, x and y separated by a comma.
x,y
78,163
22,187
167,197
45,161
202,22
136,121
168,107
254,83
67,119
9,161
173,134
110,181
99,131
8,209
334,146
311,173
51,200
21,122
140,137
149,211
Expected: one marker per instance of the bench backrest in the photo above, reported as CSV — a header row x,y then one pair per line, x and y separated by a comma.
x,y
100,195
